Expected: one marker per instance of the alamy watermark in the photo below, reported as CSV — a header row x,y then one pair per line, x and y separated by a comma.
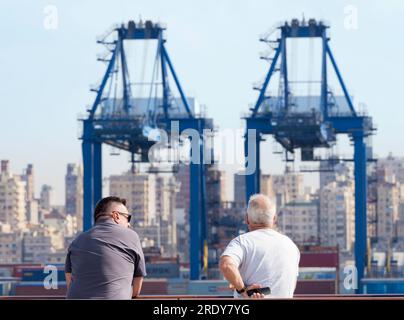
x,y
351,17
195,147
351,278
51,281
51,17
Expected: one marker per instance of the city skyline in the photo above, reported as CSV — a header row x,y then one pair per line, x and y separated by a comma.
x,y
43,128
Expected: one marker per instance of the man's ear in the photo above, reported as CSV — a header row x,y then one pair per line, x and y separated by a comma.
x,y
275,220
115,217
246,219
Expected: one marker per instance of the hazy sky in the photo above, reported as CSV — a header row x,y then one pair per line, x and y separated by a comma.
x,y
46,74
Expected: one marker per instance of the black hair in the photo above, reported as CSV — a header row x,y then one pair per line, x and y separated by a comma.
x,y
102,206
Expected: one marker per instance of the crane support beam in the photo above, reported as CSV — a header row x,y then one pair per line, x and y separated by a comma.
x,y
341,81
110,122
310,129
97,163
88,182
271,70
252,158
104,81
360,206
177,82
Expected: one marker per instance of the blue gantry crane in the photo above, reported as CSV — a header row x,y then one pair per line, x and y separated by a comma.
x,y
120,119
309,122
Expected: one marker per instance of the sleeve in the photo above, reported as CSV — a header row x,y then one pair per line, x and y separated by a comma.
x,y
139,261
140,266
235,251
68,263
298,262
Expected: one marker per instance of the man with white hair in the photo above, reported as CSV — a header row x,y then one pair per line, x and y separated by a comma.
x,y
261,257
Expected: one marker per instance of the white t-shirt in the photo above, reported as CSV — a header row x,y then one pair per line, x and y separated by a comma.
x,y
268,258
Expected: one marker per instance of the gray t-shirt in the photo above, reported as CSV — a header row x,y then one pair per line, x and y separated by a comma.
x,y
103,262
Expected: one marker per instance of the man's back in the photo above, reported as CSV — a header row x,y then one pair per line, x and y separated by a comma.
x,y
268,258
103,262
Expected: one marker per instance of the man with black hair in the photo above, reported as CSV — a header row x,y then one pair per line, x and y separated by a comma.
x,y
106,262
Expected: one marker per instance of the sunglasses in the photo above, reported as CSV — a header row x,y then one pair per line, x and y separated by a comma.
x,y
126,215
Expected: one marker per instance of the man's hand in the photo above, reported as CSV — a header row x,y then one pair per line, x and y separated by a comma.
x,y
254,295
231,273
136,286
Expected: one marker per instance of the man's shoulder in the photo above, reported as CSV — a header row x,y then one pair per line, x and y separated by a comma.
x,y
78,238
131,232
279,236
289,242
130,235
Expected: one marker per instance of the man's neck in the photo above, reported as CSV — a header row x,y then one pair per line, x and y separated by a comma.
x,y
259,226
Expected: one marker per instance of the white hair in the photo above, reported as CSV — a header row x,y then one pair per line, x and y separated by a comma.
x,y
261,210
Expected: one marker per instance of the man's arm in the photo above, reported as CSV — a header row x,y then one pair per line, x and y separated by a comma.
x,y
297,269
68,271
140,267
232,274
137,286
68,280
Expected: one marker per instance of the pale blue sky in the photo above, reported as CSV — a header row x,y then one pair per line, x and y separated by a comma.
x,y
45,74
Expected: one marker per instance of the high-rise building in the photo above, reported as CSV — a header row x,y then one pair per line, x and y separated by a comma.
x,y
166,189
182,177
151,198
28,177
10,245
335,170
139,190
239,189
45,200
400,223
31,204
74,192
183,196
267,186
215,196
392,166
337,215
12,197
283,188
299,220
388,201
288,187
36,247
390,195
32,207
215,187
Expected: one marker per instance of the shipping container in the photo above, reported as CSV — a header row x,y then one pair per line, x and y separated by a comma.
x,y
177,287
154,287
319,259
38,289
317,273
6,284
18,268
163,270
40,273
316,286
383,286
209,287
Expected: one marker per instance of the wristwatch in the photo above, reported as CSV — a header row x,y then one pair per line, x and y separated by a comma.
x,y
241,290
